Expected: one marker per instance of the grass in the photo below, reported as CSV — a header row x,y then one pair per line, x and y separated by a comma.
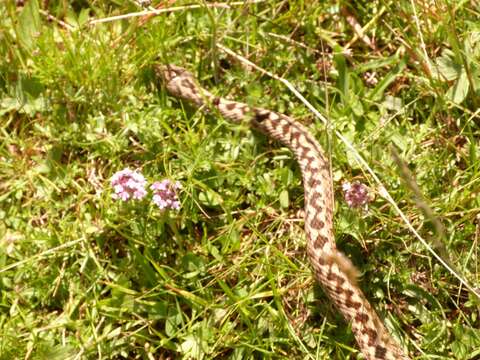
x,y
84,276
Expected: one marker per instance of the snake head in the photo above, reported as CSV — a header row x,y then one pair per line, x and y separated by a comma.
x,y
169,72
177,80
181,83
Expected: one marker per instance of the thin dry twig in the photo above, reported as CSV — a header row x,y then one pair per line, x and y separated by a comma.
x,y
42,254
359,30
171,9
426,59
293,42
162,5
54,19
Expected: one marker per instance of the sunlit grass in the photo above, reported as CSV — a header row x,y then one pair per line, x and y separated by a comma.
x,y
83,275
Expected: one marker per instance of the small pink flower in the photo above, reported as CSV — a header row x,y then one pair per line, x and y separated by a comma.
x,y
356,194
128,184
165,194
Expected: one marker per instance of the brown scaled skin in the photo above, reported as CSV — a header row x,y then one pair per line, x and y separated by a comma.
x,y
332,269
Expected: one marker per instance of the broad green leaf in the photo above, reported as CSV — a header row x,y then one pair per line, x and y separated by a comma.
x,y
192,265
447,67
190,347
83,18
28,28
31,107
377,93
393,103
458,92
343,83
356,105
284,201
209,198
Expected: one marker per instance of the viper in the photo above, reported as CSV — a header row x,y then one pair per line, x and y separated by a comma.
x,y
333,270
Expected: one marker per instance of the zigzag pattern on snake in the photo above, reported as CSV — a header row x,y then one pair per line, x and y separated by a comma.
x,y
332,269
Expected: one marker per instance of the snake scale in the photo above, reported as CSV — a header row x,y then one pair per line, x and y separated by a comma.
x,y
332,269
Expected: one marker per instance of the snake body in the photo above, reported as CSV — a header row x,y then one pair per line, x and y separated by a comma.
x,y
332,269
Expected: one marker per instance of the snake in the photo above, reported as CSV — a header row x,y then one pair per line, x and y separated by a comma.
x,y
333,270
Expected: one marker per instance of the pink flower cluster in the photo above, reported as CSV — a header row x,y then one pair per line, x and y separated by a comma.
x,y
164,194
128,184
356,194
